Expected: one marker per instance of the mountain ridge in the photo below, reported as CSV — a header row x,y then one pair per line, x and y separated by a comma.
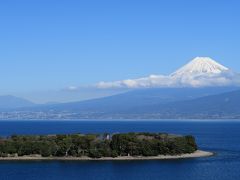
x,y
142,107
11,102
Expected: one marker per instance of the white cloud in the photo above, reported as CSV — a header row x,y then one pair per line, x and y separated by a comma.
x,y
223,79
151,81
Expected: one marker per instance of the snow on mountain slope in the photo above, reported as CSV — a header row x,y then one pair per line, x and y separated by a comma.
x,y
204,72
200,72
199,66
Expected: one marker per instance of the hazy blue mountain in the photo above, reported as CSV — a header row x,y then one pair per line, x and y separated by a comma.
x,y
225,105
134,99
184,103
11,102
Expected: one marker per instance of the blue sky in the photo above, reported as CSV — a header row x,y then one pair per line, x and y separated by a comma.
x,y
47,45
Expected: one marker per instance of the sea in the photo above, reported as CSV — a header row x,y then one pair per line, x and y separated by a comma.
x,y
220,137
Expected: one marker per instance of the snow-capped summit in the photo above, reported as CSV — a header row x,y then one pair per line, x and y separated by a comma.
x,y
200,66
203,72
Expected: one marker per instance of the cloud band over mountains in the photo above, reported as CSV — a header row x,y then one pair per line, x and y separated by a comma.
x,y
154,81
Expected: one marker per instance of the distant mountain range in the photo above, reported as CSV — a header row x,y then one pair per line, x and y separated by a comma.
x,y
12,102
220,106
188,101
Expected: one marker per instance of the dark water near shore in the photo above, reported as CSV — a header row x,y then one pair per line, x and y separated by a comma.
x,y
221,137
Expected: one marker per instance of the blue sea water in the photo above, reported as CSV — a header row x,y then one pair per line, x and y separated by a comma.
x,y
221,137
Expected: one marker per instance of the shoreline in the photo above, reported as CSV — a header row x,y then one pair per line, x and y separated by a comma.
x,y
197,154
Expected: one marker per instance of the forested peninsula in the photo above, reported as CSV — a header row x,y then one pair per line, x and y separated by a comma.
x,y
98,146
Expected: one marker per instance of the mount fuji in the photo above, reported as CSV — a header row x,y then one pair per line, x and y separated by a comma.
x,y
201,66
203,72
200,72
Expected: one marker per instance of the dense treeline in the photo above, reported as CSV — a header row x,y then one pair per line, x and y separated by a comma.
x,y
96,146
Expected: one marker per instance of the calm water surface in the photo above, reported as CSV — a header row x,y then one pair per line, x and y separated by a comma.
x,y
221,137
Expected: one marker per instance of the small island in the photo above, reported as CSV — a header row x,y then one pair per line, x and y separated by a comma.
x,y
124,146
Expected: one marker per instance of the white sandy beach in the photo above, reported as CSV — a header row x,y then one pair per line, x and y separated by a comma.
x,y
196,154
